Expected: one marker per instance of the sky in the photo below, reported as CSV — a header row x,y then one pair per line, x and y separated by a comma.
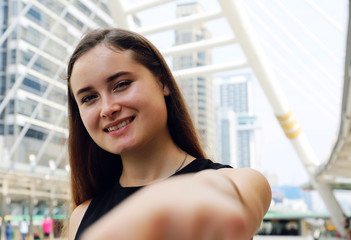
x,y
304,41
310,76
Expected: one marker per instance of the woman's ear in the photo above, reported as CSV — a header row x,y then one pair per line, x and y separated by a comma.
x,y
166,91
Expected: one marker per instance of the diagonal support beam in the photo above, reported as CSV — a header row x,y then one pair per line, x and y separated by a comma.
x,y
210,69
181,22
198,46
144,5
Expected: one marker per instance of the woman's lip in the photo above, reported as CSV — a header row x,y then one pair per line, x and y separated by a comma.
x,y
118,124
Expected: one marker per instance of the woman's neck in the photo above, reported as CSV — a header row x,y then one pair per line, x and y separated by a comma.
x,y
151,164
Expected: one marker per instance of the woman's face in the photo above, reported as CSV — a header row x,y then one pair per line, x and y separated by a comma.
x,y
120,101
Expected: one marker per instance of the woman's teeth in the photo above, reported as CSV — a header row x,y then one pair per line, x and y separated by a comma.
x,y
122,124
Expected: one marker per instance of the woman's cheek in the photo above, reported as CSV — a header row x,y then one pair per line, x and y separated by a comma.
x,y
89,117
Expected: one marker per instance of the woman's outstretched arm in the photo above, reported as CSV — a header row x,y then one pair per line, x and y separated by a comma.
x,y
212,204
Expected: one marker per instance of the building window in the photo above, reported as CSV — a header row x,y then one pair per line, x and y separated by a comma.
x,y
3,62
186,61
10,130
2,85
105,8
35,85
201,56
83,8
74,21
11,106
200,86
35,134
4,15
53,5
34,15
32,36
200,37
13,56
26,107
186,38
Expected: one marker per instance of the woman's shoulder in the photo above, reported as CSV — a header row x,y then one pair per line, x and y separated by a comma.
x,y
200,164
76,218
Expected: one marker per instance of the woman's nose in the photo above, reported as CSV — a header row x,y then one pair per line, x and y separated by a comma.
x,y
109,107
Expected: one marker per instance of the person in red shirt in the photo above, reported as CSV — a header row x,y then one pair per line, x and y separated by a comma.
x,y
47,227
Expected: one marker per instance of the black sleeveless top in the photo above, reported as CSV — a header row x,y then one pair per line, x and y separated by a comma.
x,y
114,195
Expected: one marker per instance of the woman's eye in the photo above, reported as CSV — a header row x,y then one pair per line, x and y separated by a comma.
x,y
88,98
121,85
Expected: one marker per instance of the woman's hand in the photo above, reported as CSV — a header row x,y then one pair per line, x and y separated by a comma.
x,y
222,204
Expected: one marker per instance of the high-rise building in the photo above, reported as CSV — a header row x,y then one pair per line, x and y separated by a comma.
x,y
226,136
197,91
36,39
235,93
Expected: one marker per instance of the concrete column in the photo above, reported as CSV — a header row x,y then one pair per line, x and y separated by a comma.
x,y
32,202
3,207
31,207
51,215
4,196
333,206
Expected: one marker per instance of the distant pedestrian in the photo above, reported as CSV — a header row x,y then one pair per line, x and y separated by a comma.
x,y
36,236
347,226
8,230
24,229
47,227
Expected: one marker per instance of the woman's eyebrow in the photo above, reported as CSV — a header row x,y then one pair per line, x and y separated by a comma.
x,y
117,75
82,90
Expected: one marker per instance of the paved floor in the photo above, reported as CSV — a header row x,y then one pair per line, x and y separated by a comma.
x,y
291,238
282,238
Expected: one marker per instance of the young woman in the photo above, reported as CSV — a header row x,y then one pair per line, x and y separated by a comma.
x,y
137,168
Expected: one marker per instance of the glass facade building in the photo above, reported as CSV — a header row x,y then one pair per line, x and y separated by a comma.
x,y
36,40
235,93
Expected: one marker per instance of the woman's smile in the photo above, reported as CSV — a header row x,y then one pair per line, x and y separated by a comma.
x,y
119,125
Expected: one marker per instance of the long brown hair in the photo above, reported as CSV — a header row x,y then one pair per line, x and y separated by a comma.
x,y
92,168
